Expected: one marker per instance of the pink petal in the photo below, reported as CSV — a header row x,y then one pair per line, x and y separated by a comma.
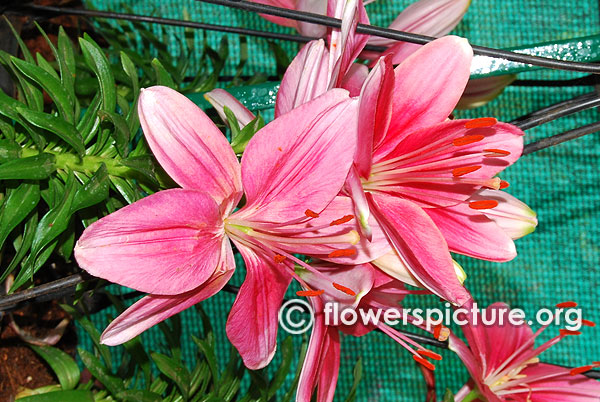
x,y
400,51
482,90
354,189
567,388
392,265
421,246
167,243
471,233
153,309
375,113
300,160
511,214
220,98
428,172
427,17
330,366
305,79
429,84
252,323
315,7
187,144
289,4
355,78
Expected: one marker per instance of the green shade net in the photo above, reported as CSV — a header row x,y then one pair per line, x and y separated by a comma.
x,y
558,262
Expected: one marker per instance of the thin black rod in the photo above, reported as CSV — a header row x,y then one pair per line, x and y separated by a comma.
x,y
557,110
405,36
560,138
588,80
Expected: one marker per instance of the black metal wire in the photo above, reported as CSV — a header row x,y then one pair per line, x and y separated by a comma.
x,y
560,138
405,36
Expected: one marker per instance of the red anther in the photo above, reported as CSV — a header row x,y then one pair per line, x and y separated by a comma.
x,y
279,258
309,292
344,252
437,330
588,323
424,362
481,122
596,363
344,289
494,152
566,332
461,171
582,369
467,139
429,353
567,304
342,220
483,204
311,214
503,184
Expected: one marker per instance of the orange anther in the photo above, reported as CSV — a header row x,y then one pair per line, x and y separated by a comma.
x,y
437,330
311,214
496,152
429,353
481,122
503,184
279,258
344,289
579,370
566,332
483,204
567,304
309,292
461,171
467,139
344,252
342,220
588,323
424,362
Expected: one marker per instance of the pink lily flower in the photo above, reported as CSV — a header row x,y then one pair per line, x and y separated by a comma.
x,y
175,244
504,365
365,290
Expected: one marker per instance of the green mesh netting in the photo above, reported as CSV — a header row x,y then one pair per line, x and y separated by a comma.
x,y
559,261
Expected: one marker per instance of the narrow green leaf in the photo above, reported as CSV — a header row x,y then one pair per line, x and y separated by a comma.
x,y
90,122
139,396
113,383
287,353
47,67
175,371
125,188
240,142
19,203
65,49
357,373
37,167
233,123
53,87
94,191
209,355
23,247
120,132
131,72
32,264
9,150
8,108
61,363
61,396
97,61
162,76
144,165
448,396
63,129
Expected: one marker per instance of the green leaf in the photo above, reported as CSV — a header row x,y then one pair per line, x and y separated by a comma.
x,y
9,150
287,353
31,265
61,396
144,165
233,123
121,131
52,85
8,108
139,396
448,396
66,62
113,383
162,76
63,129
92,192
209,355
46,66
240,142
125,188
19,203
97,61
23,247
357,373
90,122
37,167
61,363
22,45
131,72
175,371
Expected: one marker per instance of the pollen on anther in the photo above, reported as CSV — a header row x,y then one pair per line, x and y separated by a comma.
x,y
344,289
579,370
309,293
467,139
461,171
345,252
494,152
342,220
566,332
483,204
424,362
588,323
430,354
567,304
279,259
504,184
311,214
481,122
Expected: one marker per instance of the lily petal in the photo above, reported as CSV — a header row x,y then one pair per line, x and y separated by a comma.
x,y
286,22
420,245
300,160
471,233
219,98
315,7
252,323
560,385
482,90
187,144
153,309
355,78
167,243
392,264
